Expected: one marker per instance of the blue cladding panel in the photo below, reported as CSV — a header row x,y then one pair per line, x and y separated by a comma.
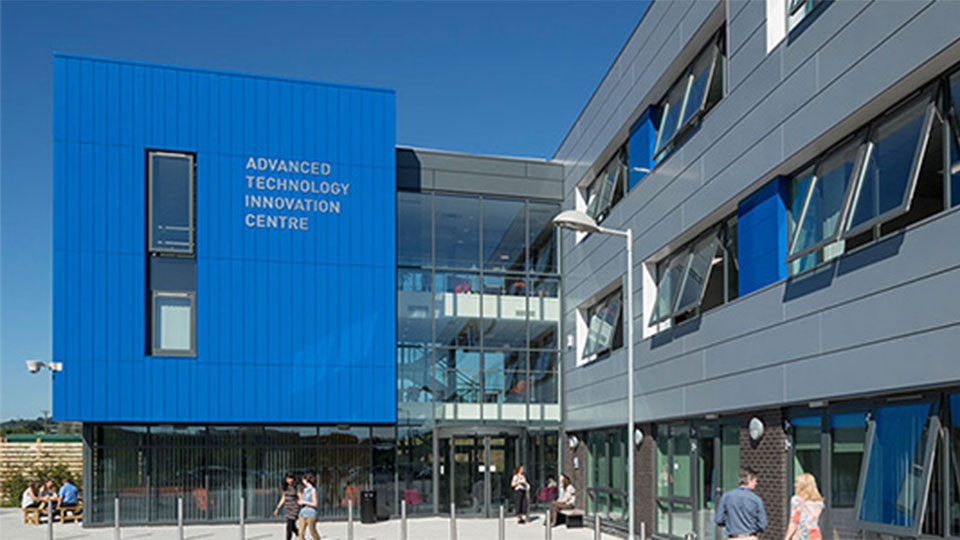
x,y
279,312
762,236
643,136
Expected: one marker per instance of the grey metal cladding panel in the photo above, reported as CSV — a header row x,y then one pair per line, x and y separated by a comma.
x,y
744,168
744,60
908,309
611,367
801,46
676,372
601,390
917,360
752,389
595,415
913,44
447,180
736,8
660,234
741,317
764,348
746,24
917,252
658,350
417,179
546,171
660,405
476,164
871,26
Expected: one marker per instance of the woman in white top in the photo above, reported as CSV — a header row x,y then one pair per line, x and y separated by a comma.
x,y
567,500
30,497
520,487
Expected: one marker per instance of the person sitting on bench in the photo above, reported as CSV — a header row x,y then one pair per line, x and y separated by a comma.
x,y
567,500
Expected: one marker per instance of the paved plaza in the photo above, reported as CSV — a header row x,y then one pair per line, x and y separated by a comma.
x,y
432,528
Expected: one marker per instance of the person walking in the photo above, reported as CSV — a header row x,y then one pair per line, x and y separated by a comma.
x,y
308,508
289,498
741,511
520,489
567,500
805,509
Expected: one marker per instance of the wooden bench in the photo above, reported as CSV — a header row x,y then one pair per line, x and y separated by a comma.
x,y
573,518
72,513
33,515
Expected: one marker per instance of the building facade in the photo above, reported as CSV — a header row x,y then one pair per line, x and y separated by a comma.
x,y
790,172
251,278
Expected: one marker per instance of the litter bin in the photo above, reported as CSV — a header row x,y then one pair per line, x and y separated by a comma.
x,y
368,506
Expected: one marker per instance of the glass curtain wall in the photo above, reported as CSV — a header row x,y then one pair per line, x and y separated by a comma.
x,y
479,309
149,469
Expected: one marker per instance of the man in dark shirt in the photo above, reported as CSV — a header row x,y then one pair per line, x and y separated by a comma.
x,y
741,511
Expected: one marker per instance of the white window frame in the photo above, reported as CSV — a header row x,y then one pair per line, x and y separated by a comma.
x,y
156,351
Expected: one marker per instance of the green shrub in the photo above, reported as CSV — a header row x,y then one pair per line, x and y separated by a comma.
x,y
39,472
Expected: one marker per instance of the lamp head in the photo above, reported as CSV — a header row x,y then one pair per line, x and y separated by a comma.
x,y
33,366
577,221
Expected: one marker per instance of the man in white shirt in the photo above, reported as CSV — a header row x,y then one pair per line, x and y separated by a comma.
x,y
566,500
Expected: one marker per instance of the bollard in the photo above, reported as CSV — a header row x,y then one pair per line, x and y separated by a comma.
x,y
643,530
453,521
548,530
50,523
596,527
350,519
116,518
180,518
403,520
503,528
243,519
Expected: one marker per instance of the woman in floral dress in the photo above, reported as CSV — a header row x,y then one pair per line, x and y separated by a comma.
x,y
805,508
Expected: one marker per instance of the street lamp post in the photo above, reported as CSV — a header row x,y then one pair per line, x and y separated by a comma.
x,y
34,366
578,221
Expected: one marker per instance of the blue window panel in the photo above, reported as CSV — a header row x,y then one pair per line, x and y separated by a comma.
x,y
643,137
762,236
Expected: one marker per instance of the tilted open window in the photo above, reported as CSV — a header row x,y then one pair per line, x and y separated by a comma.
x,y
608,188
604,322
701,275
699,89
895,474
819,222
893,157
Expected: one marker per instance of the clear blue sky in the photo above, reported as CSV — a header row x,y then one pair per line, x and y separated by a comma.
x,y
500,78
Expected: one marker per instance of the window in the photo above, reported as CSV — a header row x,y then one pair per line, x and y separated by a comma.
x,y
848,433
696,92
607,474
806,445
901,440
604,326
171,254
953,108
171,203
892,174
174,321
414,229
797,10
701,276
608,188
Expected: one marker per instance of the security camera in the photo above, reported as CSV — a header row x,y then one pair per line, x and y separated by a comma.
x,y
34,365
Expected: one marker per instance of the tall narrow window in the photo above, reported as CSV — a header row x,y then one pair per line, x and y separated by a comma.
x,y
171,202
171,264
608,188
953,105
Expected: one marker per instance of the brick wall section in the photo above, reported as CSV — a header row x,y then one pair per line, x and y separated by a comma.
x,y
769,457
646,479
19,456
577,476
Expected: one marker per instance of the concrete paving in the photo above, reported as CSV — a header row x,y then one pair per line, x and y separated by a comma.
x,y
421,528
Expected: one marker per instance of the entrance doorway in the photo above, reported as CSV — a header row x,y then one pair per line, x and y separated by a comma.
x,y
476,468
695,465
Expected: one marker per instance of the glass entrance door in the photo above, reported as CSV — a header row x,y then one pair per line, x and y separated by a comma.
x,y
475,472
674,481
